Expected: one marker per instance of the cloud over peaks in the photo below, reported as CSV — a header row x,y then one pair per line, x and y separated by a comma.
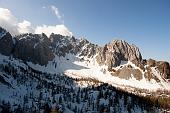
x,y
11,24
58,29
25,27
8,21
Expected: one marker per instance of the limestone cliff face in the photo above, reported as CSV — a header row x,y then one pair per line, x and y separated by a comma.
x,y
34,48
116,51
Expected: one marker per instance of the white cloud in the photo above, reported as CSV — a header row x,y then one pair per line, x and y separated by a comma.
x,y
12,25
56,12
8,21
58,29
25,27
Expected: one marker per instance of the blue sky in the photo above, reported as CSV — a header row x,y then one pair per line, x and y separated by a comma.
x,y
145,23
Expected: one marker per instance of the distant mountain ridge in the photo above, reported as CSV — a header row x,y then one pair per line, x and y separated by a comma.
x,y
40,49
27,46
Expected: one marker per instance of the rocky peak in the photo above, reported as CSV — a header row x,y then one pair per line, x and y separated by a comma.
x,y
83,41
116,51
62,45
125,50
86,48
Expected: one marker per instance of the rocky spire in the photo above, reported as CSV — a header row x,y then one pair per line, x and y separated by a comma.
x,y
116,51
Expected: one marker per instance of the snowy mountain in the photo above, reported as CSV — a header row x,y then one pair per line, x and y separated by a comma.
x,y
64,74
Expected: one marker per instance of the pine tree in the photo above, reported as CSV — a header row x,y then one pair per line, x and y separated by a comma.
x,y
47,109
6,108
60,100
19,110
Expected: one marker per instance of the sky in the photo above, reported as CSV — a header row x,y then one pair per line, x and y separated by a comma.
x,y
145,23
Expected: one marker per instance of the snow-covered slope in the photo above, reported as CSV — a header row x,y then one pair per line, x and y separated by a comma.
x,y
83,67
29,90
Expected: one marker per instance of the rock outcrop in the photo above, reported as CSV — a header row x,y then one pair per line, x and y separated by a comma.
x,y
61,45
6,42
34,48
151,63
127,72
87,49
164,69
162,66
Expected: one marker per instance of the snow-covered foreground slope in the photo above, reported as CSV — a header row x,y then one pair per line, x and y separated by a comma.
x,y
82,67
98,73
69,84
